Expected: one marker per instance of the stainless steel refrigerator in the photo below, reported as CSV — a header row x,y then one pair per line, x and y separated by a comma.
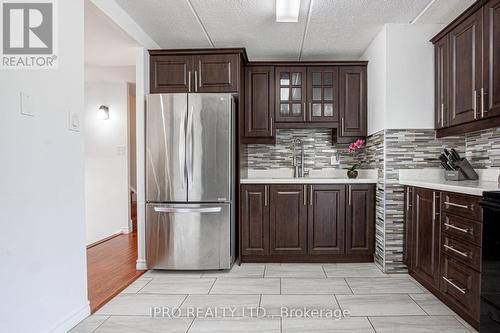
x,y
190,153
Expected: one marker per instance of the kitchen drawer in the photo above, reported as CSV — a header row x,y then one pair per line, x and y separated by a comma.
x,y
462,205
464,252
461,228
460,285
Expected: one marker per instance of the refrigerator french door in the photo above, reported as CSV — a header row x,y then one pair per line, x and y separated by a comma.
x,y
189,181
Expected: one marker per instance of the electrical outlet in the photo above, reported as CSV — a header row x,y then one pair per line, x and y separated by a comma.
x,y
120,150
333,160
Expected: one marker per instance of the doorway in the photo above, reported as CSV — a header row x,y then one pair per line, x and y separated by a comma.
x,y
110,157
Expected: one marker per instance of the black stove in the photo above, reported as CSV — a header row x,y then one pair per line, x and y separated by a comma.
x,y
490,263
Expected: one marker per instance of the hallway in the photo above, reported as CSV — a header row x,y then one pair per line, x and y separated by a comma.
x,y
111,268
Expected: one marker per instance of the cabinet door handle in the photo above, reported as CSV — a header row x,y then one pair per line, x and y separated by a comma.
x,y
304,111
465,231
442,114
310,195
483,111
310,111
451,248
474,103
456,205
342,126
271,125
305,195
349,189
195,81
189,81
266,198
408,199
462,290
433,205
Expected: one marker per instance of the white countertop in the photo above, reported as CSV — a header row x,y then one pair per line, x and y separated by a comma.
x,y
307,180
324,176
432,179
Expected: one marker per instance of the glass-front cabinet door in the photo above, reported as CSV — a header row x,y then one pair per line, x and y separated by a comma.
x,y
290,94
322,94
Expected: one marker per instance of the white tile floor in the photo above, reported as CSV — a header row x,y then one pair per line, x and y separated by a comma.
x,y
376,302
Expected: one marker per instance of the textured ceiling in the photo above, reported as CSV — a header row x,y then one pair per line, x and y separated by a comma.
x,y
106,44
327,29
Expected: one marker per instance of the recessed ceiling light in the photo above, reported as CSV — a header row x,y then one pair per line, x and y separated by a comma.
x,y
287,10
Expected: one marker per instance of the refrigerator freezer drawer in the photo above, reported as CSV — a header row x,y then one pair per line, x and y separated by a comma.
x,y
188,236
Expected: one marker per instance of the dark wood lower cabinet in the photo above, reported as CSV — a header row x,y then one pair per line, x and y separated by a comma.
x,y
443,247
326,221
307,223
360,220
288,220
254,220
426,236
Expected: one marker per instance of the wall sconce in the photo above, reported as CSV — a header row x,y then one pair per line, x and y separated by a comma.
x,y
103,112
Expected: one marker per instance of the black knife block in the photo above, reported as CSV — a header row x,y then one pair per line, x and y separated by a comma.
x,y
465,171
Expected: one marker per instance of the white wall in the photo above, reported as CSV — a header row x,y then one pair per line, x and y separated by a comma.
x,y
401,77
410,76
106,167
376,54
43,279
109,73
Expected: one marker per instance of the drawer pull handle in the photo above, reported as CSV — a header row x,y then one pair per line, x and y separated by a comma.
x,y
451,248
466,231
462,290
456,205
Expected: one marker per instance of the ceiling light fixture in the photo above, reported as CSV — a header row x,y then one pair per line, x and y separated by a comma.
x,y
287,10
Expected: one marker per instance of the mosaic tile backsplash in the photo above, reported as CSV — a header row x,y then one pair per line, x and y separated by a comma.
x,y
483,148
318,149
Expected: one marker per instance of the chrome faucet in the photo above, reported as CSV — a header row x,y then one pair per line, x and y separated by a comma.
x,y
299,169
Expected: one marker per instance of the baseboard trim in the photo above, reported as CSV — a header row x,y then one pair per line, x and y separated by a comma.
x,y
104,240
126,230
74,319
140,265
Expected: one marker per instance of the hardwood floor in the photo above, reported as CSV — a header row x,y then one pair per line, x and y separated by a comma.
x,y
111,268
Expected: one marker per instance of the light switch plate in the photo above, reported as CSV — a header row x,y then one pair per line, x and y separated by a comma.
x,y
74,121
27,105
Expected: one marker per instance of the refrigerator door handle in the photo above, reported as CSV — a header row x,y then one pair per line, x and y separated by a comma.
x,y
187,210
189,145
182,149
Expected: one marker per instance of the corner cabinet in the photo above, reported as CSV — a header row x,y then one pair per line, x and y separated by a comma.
x,y
353,101
196,70
443,247
312,223
467,71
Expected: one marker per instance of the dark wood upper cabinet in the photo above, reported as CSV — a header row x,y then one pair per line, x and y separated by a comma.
x,y
441,60
322,94
254,220
490,94
288,220
360,219
196,70
353,99
466,64
259,102
171,73
217,73
426,244
291,94
326,220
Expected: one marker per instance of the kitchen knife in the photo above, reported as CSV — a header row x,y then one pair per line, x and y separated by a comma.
x,y
446,160
455,155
